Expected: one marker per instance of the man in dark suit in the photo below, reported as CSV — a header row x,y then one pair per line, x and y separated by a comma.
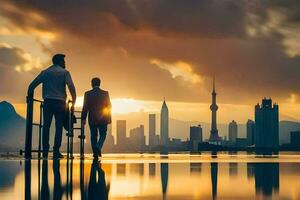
x,y
97,106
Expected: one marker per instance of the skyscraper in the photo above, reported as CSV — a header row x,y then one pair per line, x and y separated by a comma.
x,y
195,137
266,125
232,131
121,132
152,129
214,136
250,131
137,137
164,124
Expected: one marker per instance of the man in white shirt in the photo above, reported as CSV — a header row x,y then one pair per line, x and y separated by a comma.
x,y
54,80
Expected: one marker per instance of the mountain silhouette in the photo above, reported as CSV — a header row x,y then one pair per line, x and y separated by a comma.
x,y
12,128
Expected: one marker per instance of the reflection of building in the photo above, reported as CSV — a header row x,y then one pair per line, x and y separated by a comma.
x,y
266,125
135,168
214,179
266,178
295,138
233,169
121,169
232,131
164,175
164,124
152,169
152,129
195,168
137,137
214,136
195,137
121,132
250,131
250,170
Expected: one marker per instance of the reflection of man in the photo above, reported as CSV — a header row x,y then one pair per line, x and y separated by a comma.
x,y
45,192
97,105
97,186
54,80
57,190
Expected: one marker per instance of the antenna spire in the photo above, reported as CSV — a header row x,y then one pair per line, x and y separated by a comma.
x,y
214,84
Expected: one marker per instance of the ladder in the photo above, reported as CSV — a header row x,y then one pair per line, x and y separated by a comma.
x,y
70,133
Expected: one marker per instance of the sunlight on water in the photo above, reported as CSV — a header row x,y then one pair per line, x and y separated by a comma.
x,y
154,176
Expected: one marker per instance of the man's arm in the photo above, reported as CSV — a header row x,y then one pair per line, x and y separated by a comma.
x,y
84,109
38,80
71,86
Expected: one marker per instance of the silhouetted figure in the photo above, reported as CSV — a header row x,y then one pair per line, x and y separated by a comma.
x,y
97,106
58,190
97,186
54,80
164,175
45,192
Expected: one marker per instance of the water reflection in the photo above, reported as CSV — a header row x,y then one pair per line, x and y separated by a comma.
x,y
214,176
164,174
97,188
153,180
45,192
266,178
58,189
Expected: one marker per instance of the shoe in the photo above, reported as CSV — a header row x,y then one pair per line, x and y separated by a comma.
x,y
58,155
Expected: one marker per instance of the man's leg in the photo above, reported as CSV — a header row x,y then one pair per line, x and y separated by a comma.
x,y
59,120
102,133
47,115
94,134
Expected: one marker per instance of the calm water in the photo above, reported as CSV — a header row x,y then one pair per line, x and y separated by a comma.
x,y
152,176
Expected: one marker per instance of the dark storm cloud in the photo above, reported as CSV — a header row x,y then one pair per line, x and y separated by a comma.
x,y
211,35
11,57
210,18
12,83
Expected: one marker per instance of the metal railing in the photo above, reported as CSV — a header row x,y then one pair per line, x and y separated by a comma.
x,y
70,132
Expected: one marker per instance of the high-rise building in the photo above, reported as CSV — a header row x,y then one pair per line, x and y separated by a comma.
x,y
164,124
137,137
295,139
195,137
250,131
232,131
121,132
196,133
214,136
266,125
152,129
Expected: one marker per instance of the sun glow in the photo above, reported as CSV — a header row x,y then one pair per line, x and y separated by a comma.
x,y
120,105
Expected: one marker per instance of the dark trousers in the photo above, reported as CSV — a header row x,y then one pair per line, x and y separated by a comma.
x,y
95,130
58,109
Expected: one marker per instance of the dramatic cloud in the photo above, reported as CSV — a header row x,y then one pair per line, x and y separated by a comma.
x,y
16,67
179,69
252,47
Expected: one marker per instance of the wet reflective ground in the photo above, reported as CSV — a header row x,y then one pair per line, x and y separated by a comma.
x,y
154,176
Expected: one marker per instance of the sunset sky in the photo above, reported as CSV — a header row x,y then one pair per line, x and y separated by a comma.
x,y
145,50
